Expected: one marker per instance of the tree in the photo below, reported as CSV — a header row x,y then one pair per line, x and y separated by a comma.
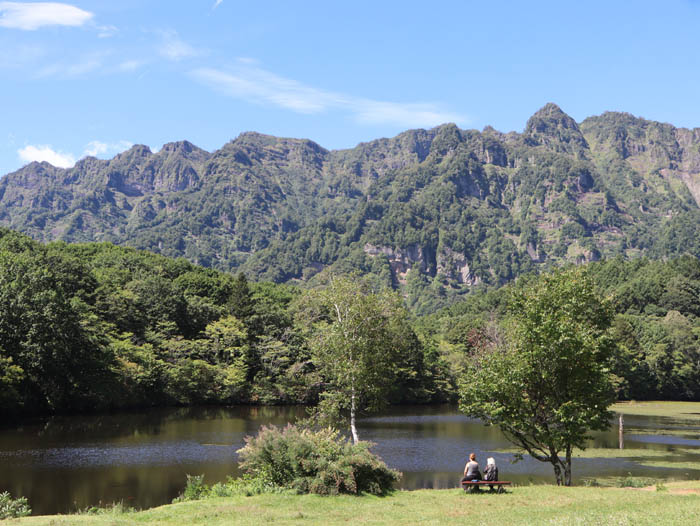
x,y
545,380
356,343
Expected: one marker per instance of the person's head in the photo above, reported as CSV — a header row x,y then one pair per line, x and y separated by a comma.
x,y
490,461
472,457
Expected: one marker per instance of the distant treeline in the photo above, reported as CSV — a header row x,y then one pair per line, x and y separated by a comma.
x,y
97,327
656,328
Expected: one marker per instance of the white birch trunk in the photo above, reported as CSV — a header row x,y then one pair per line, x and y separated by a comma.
x,y
355,438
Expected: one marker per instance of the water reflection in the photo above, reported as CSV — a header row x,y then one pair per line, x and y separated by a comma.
x,y
66,463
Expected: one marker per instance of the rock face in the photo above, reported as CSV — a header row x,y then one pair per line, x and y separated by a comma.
x,y
455,207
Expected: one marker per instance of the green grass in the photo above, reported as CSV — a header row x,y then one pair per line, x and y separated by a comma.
x,y
679,410
600,452
678,504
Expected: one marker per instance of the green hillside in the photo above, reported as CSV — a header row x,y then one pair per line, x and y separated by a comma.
x,y
433,212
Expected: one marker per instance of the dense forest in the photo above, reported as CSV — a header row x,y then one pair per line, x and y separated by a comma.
x,y
432,213
96,326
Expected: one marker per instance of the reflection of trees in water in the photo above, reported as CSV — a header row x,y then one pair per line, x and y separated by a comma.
x,y
157,421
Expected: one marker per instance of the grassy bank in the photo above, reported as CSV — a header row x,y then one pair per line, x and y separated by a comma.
x,y
677,504
678,410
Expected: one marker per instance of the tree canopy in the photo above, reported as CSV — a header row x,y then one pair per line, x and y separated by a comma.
x,y
362,344
544,379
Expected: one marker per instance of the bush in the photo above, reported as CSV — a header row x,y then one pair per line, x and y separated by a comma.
x,y
246,485
319,462
195,489
634,482
116,508
11,508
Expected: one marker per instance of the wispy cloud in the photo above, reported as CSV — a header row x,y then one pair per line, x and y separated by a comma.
x,y
81,66
128,66
95,148
106,31
259,86
217,4
32,16
174,48
46,153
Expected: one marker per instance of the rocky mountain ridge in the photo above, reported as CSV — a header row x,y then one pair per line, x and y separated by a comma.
x,y
432,211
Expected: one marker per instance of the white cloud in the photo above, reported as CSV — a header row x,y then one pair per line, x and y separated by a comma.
x,y
217,4
95,148
174,48
31,16
46,153
259,86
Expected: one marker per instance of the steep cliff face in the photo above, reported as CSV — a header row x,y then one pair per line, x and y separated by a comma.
x,y
444,209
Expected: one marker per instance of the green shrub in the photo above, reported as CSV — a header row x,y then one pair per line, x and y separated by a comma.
x,y
634,482
11,508
195,489
116,508
319,462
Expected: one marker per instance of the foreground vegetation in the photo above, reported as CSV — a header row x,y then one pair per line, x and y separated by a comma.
x,y
676,503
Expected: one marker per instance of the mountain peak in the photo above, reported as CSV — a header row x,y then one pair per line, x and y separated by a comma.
x,y
547,116
184,149
550,126
137,150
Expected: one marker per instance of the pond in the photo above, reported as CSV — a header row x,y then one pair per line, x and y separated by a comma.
x,y
63,464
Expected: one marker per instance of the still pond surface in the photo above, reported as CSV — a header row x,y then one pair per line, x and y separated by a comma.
x,y
63,464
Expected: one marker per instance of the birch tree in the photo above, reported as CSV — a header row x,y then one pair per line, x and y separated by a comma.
x,y
356,345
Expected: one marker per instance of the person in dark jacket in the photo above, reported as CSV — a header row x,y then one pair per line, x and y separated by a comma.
x,y
491,471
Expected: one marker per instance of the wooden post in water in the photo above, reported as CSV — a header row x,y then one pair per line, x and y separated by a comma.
x,y
622,431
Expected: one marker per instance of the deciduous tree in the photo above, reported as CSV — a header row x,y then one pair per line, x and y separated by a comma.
x,y
357,345
545,382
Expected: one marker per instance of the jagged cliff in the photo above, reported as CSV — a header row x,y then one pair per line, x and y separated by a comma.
x,y
434,211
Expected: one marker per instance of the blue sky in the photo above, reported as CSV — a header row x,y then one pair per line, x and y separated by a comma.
x,y
93,77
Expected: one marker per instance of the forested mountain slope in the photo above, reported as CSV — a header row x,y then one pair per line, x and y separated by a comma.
x,y
432,211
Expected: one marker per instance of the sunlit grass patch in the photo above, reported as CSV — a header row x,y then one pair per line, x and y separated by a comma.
x,y
677,505
679,410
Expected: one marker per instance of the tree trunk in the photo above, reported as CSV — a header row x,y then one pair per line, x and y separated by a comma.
x,y
567,467
557,469
355,438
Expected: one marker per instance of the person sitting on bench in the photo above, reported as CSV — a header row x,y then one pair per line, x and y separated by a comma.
x,y
491,471
471,469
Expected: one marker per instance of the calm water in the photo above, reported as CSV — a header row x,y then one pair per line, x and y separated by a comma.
x,y
67,463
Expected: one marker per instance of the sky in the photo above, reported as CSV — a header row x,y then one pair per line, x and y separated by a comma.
x,y
95,77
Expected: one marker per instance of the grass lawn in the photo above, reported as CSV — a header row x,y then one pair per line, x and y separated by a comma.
x,y
680,410
677,504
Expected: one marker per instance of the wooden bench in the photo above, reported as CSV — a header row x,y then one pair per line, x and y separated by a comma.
x,y
500,485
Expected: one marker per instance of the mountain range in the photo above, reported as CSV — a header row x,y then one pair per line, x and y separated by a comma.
x,y
433,212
